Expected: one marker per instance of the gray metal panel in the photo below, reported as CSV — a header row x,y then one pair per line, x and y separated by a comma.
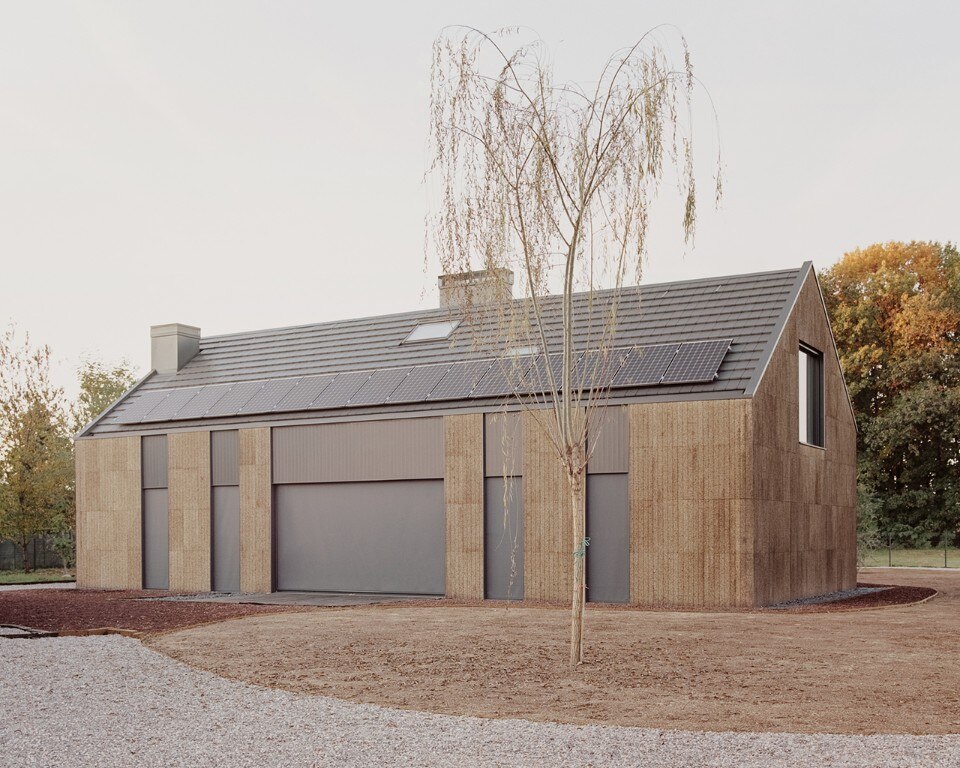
x,y
208,397
168,408
153,458
361,537
503,538
307,390
231,403
608,527
225,457
225,536
379,386
156,538
398,449
338,393
268,398
502,444
608,440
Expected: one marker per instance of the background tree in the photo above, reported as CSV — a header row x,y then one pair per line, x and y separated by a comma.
x,y
36,462
895,309
554,181
100,385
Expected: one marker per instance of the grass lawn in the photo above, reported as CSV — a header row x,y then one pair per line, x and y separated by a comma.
x,y
931,558
34,577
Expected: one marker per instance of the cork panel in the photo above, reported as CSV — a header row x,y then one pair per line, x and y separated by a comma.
x,y
256,511
188,472
463,492
806,496
108,513
691,506
548,524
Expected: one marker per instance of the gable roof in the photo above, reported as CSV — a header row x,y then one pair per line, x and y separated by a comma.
x,y
748,309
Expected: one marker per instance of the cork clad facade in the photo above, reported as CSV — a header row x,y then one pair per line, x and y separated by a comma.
x,y
389,455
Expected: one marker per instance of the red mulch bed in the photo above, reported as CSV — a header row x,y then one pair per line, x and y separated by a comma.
x,y
889,597
72,610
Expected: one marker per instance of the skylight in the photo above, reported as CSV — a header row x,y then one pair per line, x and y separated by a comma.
x,y
431,331
522,351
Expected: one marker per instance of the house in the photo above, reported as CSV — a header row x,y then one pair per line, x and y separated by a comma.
x,y
380,454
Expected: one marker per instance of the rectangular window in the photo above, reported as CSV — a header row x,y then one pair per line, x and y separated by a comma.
x,y
811,396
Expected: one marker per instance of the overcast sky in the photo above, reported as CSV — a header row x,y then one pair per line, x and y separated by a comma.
x,y
239,165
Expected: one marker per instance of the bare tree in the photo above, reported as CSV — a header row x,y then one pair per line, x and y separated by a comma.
x,y
554,181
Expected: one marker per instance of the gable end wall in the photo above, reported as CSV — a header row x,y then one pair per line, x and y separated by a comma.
x,y
805,497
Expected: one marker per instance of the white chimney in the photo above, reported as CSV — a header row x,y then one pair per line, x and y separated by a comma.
x,y
473,289
172,346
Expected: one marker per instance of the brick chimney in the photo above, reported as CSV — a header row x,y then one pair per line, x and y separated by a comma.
x,y
172,346
474,289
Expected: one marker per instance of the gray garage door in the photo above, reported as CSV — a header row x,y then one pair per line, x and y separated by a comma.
x,y
503,538
156,548
608,526
361,537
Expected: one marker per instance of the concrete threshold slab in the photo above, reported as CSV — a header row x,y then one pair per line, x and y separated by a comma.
x,y
320,599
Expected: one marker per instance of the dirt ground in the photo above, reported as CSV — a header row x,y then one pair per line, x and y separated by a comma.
x,y
72,610
890,670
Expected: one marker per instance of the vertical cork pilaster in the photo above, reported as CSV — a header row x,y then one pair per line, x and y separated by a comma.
x,y
463,493
109,548
256,513
548,524
188,479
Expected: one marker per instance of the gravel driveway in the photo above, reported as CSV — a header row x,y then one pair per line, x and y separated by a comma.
x,y
109,701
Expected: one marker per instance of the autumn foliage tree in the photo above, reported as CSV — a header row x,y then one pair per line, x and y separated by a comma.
x,y
895,309
36,460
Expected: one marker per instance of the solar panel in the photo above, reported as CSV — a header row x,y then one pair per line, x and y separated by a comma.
x,y
235,399
697,361
338,393
504,377
379,386
207,397
140,404
421,381
305,392
644,366
167,408
269,396
537,380
596,369
460,380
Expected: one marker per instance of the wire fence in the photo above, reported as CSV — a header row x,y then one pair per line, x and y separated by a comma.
x,y
905,557
40,554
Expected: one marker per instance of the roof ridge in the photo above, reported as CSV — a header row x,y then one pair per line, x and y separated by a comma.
x,y
441,312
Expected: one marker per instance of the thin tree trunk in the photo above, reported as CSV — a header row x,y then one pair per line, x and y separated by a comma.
x,y
578,512
24,545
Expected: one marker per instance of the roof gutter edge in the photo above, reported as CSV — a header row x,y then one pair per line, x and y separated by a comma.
x,y
85,432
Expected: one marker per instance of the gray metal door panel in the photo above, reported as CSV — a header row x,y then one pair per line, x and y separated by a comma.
x,y
226,538
156,537
503,538
361,537
608,526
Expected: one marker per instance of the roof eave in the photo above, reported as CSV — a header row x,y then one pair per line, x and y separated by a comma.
x,y
87,430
